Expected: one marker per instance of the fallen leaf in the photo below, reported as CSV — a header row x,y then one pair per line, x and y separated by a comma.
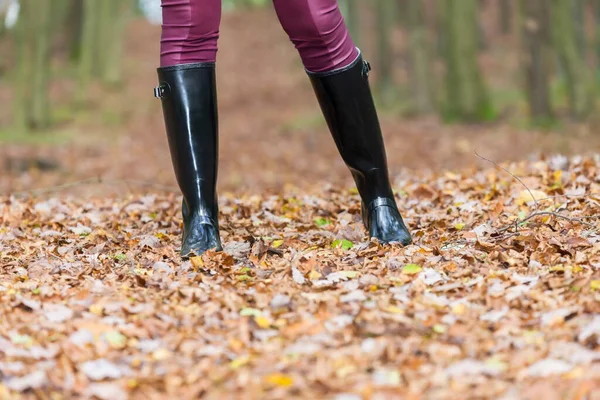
x,y
411,269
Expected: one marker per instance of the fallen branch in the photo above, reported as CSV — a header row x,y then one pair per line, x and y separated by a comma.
x,y
511,174
503,232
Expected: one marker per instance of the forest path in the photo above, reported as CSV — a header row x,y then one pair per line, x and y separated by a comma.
x,y
95,301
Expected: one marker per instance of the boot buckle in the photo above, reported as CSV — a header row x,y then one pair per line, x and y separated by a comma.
x,y
366,68
160,91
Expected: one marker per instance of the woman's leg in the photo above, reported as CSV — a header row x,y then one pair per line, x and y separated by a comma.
x,y
190,31
340,80
187,89
317,29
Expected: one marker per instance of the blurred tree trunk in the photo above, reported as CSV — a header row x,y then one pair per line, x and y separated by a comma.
x,y
24,67
105,26
87,52
40,103
537,57
118,16
505,15
75,28
578,12
481,34
3,11
3,29
33,34
577,74
419,55
596,45
385,10
466,94
351,11
440,29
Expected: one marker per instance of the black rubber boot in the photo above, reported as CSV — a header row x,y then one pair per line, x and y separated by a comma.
x,y
347,104
189,100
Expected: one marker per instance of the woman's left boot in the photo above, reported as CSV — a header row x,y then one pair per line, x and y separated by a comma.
x,y
189,99
347,104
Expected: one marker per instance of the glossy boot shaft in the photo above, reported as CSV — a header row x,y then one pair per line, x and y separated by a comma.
x,y
347,104
189,100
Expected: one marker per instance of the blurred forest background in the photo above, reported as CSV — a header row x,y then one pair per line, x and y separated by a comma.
x,y
507,78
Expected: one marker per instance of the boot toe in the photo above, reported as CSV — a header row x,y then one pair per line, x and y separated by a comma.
x,y
388,226
200,239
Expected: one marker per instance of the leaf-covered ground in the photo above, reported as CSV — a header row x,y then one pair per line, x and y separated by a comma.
x,y
94,300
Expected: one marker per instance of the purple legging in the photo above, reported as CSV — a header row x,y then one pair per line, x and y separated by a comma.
x,y
316,27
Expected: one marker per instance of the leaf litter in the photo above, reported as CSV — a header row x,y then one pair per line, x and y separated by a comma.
x,y
488,301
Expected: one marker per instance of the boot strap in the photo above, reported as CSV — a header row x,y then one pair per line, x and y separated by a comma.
x,y
366,69
161,90
381,202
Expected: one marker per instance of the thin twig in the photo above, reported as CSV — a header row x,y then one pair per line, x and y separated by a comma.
x,y
547,213
503,234
511,174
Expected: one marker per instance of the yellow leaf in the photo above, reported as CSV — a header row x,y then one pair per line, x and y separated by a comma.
x,y
132,383
558,178
276,243
115,339
262,321
394,310
239,362
459,309
161,354
345,370
525,196
197,262
136,362
595,284
25,340
97,309
349,274
496,364
459,226
250,312
439,328
314,275
281,380
411,269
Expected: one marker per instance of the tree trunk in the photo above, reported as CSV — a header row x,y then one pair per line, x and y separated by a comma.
x,y
40,103
537,57
466,95
419,57
596,45
351,11
577,74
481,33
75,28
33,39
578,12
505,16
119,15
24,67
88,43
385,23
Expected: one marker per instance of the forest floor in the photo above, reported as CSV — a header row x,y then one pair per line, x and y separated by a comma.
x,y
490,301
94,300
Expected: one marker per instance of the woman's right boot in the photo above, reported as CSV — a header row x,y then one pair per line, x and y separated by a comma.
x,y
189,100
